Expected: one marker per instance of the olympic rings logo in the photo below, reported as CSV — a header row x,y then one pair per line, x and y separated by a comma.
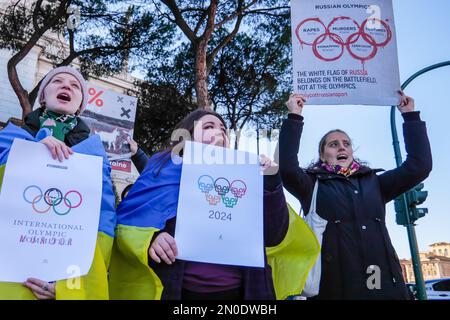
x,y
222,187
53,198
361,42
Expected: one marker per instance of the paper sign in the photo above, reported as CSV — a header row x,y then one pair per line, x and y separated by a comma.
x,y
49,214
220,207
345,52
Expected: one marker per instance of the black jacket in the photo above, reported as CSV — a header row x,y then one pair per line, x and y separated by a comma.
x,y
356,236
140,160
78,134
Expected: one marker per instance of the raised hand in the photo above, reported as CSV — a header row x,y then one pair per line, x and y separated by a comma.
x,y
406,103
295,103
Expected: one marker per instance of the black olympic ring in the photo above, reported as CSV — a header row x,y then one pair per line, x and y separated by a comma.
x,y
47,195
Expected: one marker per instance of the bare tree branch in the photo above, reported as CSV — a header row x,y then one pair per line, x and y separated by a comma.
x,y
260,10
179,20
200,21
13,76
237,13
223,43
210,22
37,8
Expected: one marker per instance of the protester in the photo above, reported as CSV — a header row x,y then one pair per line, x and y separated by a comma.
x,y
352,198
63,97
146,226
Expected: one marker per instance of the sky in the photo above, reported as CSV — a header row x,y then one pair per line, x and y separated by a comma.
x,y
423,39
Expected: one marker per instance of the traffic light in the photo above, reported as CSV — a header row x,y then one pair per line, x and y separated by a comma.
x,y
417,196
416,213
414,197
400,211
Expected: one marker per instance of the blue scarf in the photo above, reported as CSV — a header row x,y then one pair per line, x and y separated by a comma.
x,y
153,199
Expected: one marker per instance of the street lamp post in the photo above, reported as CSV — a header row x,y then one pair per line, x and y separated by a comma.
x,y
403,207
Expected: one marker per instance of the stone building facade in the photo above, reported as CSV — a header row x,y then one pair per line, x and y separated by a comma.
x,y
435,263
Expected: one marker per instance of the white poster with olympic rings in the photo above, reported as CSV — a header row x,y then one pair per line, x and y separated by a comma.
x,y
220,207
50,214
345,52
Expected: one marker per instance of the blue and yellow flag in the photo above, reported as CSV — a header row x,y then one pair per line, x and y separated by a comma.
x,y
151,202
94,285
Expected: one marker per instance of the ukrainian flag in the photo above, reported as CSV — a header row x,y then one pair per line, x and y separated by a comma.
x,y
93,285
153,200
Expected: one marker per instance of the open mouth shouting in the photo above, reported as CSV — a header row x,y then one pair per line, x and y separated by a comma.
x,y
342,158
64,97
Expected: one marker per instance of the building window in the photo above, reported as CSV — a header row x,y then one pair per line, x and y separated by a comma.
x,y
440,252
446,252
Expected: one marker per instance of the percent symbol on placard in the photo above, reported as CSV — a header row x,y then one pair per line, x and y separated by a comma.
x,y
96,97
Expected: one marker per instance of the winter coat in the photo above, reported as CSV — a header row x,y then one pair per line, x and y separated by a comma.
x,y
140,160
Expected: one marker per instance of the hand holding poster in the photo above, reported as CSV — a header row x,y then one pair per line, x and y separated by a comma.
x,y
220,207
49,217
345,52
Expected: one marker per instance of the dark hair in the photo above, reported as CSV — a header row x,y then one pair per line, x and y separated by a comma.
x,y
321,149
188,123
324,139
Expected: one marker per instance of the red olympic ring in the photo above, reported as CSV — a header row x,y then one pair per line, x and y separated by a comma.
x,y
354,55
385,25
237,180
317,41
303,22
79,203
343,18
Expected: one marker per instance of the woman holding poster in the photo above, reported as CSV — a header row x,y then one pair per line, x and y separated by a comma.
x,y
146,227
63,96
357,258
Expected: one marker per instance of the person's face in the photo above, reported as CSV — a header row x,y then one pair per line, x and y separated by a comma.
x,y
338,150
210,130
63,94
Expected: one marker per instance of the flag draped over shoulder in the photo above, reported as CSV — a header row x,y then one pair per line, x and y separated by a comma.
x,y
292,259
153,200
93,285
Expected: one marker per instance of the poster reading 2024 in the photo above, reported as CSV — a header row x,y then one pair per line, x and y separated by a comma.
x,y
345,52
